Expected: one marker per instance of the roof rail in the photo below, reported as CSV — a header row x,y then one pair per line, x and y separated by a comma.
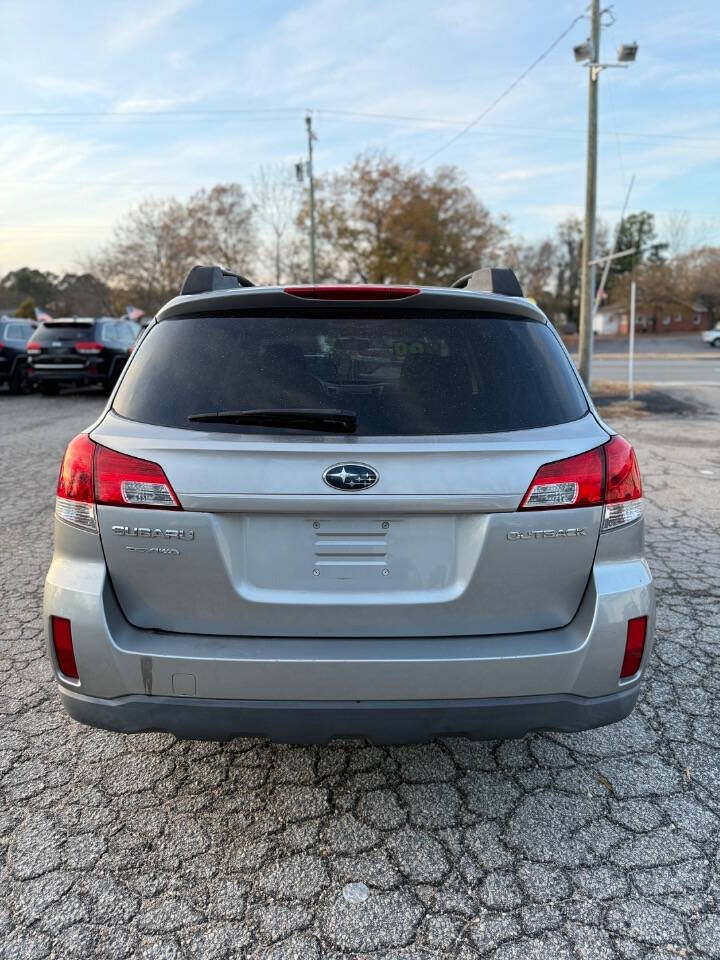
x,y
205,279
492,280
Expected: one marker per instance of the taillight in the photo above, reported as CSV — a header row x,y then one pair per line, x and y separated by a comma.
x,y
356,291
623,497
125,481
61,633
92,474
575,482
75,503
605,476
88,347
32,347
634,646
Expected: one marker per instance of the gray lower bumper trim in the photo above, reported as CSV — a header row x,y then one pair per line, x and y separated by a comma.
x,y
380,721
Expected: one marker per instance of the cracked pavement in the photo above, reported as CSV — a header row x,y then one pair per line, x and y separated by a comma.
x,y
589,845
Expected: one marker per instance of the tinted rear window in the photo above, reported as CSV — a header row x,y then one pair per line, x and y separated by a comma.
x,y
47,332
18,331
119,331
409,374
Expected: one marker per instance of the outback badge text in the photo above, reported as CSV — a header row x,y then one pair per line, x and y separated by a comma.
x,y
546,534
122,531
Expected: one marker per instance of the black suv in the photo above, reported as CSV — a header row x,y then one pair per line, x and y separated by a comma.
x,y
79,351
14,335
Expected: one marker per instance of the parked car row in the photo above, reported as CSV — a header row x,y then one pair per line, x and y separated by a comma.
x,y
69,351
14,335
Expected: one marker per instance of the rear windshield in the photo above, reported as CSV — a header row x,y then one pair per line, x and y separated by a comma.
x,y
47,332
119,331
18,331
404,374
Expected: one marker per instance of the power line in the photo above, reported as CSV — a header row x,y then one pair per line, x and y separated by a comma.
x,y
505,92
44,114
132,116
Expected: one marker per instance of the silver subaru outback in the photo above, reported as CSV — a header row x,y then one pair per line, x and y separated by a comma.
x,y
349,511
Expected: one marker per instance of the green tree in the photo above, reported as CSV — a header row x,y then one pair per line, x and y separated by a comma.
x,y
81,295
27,282
637,232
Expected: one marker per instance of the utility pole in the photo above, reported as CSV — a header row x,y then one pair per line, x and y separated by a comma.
x,y
589,54
587,286
311,137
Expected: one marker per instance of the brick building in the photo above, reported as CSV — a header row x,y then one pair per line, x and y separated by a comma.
x,y
667,316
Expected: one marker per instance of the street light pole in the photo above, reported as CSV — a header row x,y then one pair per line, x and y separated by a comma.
x,y
587,285
589,53
311,136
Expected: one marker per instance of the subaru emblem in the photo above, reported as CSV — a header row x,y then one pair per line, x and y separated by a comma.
x,y
350,476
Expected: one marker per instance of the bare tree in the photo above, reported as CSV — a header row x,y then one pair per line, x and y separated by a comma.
x,y
276,196
533,264
568,264
156,242
149,254
683,233
221,227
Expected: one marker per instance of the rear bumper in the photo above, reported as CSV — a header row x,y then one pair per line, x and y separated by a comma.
x,y
310,689
77,374
380,721
66,376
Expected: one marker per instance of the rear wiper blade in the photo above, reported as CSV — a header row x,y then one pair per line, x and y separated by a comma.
x,y
326,421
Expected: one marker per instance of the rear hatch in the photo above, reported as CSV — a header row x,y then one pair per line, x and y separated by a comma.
x,y
58,343
454,413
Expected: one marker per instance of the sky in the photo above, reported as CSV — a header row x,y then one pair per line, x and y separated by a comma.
x,y
103,104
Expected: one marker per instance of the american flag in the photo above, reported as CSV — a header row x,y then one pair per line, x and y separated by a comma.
x,y
134,313
41,316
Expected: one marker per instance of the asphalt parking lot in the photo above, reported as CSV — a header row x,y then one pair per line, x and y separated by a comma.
x,y
593,845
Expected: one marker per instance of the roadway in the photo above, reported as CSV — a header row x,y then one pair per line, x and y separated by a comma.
x,y
663,372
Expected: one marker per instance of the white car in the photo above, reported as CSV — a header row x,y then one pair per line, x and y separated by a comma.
x,y
712,337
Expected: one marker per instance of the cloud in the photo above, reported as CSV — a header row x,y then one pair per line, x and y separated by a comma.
x,y
137,25
152,104
410,57
65,86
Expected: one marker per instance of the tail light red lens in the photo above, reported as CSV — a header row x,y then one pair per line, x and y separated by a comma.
x,y
92,474
88,347
75,503
608,475
32,347
634,646
124,481
352,292
623,497
76,472
61,632
574,482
